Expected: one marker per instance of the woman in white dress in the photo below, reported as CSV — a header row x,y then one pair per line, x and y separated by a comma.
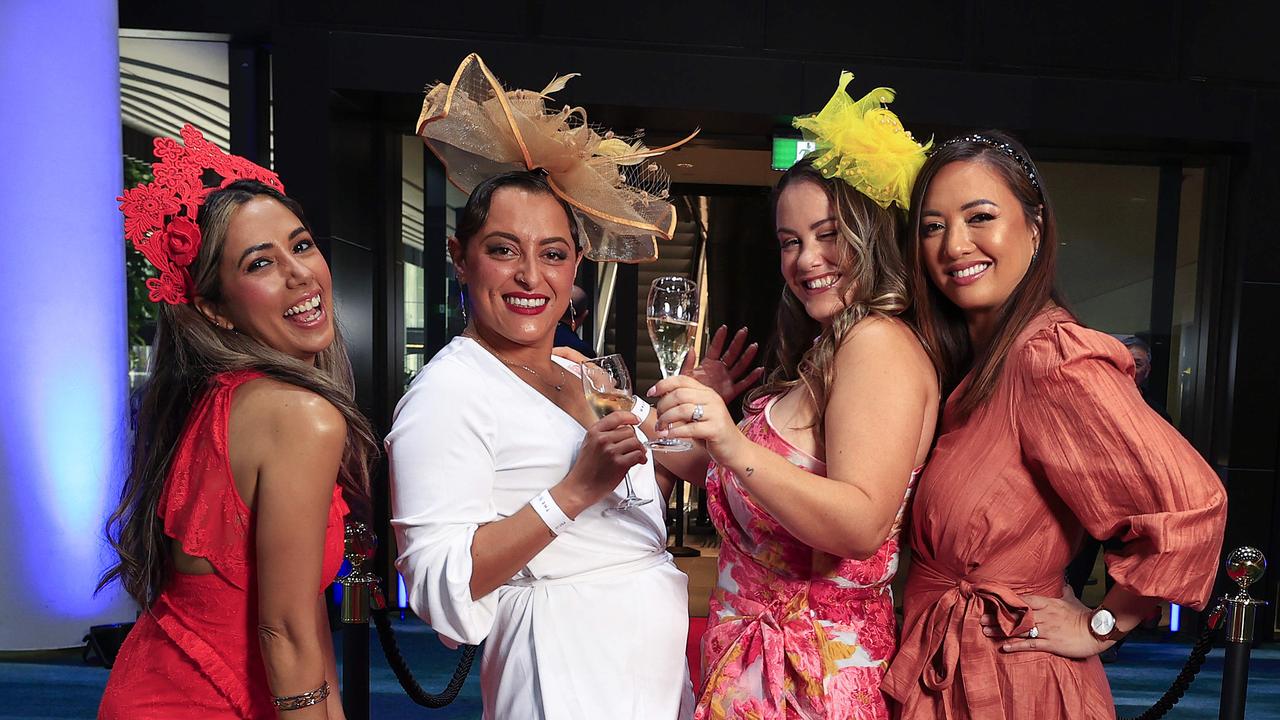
x,y
502,481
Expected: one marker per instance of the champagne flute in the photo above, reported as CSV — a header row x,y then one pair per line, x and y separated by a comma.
x,y
607,385
672,315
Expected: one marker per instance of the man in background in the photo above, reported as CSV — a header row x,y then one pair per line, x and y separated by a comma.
x,y
1141,353
574,317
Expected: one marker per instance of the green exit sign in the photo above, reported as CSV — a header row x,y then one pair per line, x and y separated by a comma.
x,y
787,151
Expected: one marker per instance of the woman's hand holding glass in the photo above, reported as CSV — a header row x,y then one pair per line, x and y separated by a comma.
x,y
690,410
607,384
608,451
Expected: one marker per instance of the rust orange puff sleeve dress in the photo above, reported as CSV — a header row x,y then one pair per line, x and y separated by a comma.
x,y
1065,445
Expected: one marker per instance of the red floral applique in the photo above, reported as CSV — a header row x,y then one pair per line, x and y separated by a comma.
x,y
168,240
182,240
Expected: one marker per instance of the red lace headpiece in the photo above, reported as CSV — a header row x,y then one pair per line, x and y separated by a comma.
x,y
160,217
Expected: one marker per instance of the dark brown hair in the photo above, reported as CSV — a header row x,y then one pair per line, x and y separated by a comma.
x,y
476,211
940,324
187,353
872,274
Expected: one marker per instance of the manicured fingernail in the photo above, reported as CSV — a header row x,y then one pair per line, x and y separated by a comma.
x,y
1006,647
649,392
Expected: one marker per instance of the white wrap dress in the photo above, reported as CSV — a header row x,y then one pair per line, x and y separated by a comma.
x,y
595,625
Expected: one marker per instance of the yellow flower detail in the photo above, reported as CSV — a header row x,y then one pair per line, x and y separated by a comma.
x,y
863,143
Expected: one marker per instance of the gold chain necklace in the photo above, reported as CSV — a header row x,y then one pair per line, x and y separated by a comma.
x,y
522,366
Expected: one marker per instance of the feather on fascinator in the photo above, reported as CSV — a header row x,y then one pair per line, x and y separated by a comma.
x,y
864,144
617,193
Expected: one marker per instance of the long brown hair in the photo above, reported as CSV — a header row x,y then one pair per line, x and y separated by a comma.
x,y
873,276
187,353
940,324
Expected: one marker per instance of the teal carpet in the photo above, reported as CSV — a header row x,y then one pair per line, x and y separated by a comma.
x,y
60,685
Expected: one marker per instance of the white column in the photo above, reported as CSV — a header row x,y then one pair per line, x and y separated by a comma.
x,y
63,365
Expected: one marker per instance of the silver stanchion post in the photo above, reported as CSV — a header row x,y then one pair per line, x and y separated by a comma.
x,y
359,590
1245,566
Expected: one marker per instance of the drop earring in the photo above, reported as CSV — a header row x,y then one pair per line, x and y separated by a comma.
x,y
462,303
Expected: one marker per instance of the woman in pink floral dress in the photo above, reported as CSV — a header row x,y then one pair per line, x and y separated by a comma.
x,y
808,492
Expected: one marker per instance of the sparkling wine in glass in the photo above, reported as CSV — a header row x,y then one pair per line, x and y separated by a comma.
x,y
607,385
672,315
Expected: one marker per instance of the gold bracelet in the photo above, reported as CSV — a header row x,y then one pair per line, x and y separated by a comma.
x,y
306,699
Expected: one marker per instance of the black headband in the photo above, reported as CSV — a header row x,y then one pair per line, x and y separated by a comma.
x,y
1027,168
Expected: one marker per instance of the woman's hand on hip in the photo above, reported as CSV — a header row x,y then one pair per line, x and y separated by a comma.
x,y
608,451
688,409
1062,628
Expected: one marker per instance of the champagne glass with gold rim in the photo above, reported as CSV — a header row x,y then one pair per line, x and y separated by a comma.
x,y
607,385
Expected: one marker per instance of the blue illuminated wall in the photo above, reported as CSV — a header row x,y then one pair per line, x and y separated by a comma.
x,y
63,368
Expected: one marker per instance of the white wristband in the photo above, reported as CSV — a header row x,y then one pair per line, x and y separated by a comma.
x,y
550,512
640,409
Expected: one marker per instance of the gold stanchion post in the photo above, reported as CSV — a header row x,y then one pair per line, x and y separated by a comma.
x,y
360,589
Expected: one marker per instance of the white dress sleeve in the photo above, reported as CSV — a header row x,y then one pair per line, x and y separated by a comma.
x,y
441,455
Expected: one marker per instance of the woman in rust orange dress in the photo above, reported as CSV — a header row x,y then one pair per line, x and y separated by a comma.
x,y
1044,437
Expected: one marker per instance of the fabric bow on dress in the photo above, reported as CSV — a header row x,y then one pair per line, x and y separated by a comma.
x,y
948,643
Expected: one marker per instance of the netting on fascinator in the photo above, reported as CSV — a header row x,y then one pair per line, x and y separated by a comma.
x,y
161,217
617,192
863,143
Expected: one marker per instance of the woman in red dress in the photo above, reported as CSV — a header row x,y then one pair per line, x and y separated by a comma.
x,y
246,439
1044,437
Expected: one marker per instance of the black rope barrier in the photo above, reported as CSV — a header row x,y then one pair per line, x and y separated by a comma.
x,y
1199,652
1245,566
390,648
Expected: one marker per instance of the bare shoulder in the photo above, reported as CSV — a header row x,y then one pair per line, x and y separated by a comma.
x,y
877,338
273,407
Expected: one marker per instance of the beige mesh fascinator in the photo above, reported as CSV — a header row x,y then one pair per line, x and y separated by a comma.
x,y
617,191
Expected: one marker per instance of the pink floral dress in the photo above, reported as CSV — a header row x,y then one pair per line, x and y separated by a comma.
x,y
794,632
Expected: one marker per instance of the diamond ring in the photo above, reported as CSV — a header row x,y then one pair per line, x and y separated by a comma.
x,y
1034,632
697,413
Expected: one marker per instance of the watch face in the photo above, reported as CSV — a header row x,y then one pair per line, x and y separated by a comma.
x,y
1102,622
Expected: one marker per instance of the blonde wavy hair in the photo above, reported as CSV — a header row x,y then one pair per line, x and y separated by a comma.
x,y
873,278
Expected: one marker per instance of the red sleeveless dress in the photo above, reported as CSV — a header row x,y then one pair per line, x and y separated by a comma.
x,y
195,653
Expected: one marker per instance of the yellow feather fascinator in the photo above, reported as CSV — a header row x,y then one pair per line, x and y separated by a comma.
x,y
864,144
617,192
